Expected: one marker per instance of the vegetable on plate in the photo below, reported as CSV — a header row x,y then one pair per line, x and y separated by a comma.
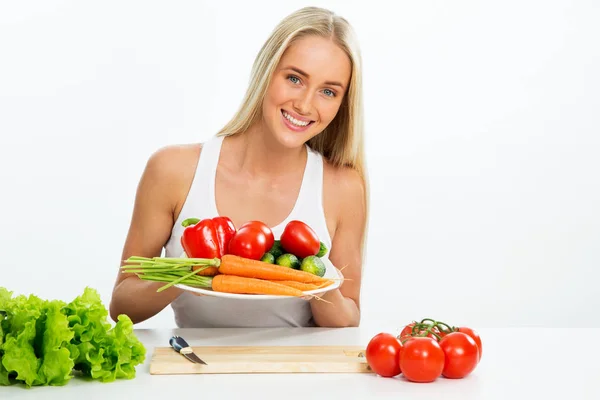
x,y
255,276
300,239
217,254
207,238
250,242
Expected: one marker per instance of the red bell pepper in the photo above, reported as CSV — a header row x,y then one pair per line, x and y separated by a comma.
x,y
207,238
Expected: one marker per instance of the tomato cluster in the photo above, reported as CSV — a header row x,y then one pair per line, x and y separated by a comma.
x,y
424,351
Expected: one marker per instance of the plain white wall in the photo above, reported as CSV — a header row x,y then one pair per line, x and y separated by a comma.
x,y
482,138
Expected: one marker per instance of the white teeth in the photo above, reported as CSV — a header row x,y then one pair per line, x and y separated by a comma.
x,y
294,120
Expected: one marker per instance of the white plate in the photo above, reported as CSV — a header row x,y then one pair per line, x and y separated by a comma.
x,y
330,272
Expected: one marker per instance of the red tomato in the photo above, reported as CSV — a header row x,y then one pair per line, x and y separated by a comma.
x,y
300,239
249,242
462,355
404,338
422,359
266,230
407,331
383,354
475,337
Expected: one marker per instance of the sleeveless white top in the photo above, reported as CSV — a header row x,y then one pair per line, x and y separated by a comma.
x,y
193,311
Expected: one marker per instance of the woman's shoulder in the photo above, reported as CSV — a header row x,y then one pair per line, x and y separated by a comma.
x,y
173,152
346,181
173,165
344,191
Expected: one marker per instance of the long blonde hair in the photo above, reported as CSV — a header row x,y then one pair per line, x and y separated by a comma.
x,y
342,142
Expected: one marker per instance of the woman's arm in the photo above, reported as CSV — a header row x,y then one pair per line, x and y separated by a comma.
x,y
346,253
161,185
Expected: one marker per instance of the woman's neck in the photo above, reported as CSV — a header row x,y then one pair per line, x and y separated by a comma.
x,y
256,153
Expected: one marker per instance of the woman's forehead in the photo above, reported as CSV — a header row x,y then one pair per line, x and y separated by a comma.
x,y
319,58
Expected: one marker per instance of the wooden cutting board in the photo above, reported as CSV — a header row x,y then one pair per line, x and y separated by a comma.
x,y
261,359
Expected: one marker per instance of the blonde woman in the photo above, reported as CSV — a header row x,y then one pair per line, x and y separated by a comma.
x,y
293,151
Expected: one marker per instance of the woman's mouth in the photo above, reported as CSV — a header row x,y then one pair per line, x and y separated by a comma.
x,y
295,124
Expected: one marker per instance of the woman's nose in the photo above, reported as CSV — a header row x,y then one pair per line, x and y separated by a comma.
x,y
303,104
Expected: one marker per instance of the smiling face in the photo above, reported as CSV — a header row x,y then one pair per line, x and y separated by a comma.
x,y
306,90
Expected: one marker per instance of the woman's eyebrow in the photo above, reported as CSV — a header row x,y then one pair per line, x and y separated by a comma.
x,y
299,71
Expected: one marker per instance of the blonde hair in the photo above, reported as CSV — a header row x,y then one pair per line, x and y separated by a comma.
x,y
341,142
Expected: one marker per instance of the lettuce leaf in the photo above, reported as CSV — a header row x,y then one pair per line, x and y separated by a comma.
x,y
57,364
101,352
43,341
19,359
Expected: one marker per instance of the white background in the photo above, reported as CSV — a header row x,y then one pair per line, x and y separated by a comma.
x,y
482,141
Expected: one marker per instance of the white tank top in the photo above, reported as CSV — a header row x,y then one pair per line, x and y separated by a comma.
x,y
193,311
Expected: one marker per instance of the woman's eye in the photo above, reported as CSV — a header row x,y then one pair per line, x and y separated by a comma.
x,y
329,92
294,79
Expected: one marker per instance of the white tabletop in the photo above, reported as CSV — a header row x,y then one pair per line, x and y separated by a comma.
x,y
528,363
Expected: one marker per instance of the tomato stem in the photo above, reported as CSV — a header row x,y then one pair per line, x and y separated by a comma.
x,y
429,326
429,331
448,327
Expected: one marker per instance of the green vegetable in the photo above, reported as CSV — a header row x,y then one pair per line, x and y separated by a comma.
x,y
43,341
276,249
314,265
288,260
322,250
268,258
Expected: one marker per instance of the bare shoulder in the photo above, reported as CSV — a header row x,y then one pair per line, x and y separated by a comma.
x,y
170,171
174,162
344,190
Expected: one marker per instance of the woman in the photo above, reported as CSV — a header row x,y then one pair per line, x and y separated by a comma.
x,y
294,150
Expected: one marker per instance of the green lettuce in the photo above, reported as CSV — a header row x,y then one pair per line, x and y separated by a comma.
x,y
100,352
43,341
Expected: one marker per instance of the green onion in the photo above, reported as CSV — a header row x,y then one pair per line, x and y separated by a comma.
x,y
171,270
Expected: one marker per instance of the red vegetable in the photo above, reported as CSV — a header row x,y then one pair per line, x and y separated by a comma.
x,y
433,348
462,355
225,231
249,242
475,337
207,238
407,332
383,354
266,230
422,359
300,239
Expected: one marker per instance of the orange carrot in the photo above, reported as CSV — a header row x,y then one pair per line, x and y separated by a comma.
x,y
299,285
241,266
325,284
207,271
243,285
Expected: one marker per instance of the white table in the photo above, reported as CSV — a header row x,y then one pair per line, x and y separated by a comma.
x,y
528,363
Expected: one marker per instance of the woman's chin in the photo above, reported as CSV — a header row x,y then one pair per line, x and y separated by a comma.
x,y
291,140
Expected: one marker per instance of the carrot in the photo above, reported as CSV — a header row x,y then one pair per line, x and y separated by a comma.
x,y
243,285
207,271
299,285
241,266
325,284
